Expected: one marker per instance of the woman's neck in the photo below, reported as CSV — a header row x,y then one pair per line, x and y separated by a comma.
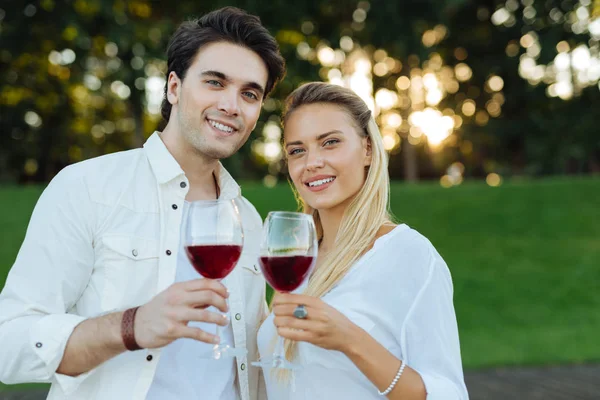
x,y
330,222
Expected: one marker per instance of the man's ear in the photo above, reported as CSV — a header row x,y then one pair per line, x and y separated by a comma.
x,y
173,88
368,152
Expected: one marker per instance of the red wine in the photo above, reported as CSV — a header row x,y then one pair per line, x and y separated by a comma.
x,y
286,273
214,261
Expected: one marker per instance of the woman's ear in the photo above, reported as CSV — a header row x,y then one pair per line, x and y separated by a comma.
x,y
368,152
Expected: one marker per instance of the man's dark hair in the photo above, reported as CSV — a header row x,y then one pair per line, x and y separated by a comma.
x,y
228,24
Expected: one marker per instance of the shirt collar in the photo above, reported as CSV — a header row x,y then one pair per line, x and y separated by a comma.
x,y
166,168
228,186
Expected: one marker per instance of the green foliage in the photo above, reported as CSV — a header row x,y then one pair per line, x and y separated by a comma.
x,y
534,135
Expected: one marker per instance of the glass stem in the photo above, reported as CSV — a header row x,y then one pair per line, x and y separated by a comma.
x,y
218,332
279,353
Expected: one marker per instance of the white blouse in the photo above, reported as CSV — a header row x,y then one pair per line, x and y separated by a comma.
x,y
400,292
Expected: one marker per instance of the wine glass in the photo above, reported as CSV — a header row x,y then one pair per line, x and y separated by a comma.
x,y
288,254
213,243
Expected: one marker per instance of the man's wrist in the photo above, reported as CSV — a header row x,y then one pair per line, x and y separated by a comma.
x,y
128,329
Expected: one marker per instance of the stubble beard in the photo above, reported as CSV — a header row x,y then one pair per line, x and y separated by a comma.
x,y
197,138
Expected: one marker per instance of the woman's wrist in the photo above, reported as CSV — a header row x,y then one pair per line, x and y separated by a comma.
x,y
355,342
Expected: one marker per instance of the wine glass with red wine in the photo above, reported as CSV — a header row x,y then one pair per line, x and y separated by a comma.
x,y
213,244
287,256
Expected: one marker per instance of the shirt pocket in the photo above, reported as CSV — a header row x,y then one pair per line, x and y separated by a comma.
x,y
128,270
133,248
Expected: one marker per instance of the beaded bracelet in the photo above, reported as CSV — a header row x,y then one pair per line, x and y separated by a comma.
x,y
398,375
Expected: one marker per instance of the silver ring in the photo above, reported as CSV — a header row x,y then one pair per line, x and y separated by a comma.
x,y
300,312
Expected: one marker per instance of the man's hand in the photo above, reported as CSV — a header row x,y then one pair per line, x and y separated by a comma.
x,y
157,323
165,318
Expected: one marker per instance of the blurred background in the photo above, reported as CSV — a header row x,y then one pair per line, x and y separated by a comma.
x,y
462,89
490,111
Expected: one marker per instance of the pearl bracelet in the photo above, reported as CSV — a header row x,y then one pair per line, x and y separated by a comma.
x,y
398,375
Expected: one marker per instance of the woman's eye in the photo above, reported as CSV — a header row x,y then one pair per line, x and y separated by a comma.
x,y
331,141
294,152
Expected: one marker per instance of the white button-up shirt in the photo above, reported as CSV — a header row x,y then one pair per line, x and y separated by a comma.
x,y
104,236
400,292
186,370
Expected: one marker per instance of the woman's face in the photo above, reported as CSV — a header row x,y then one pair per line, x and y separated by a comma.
x,y
326,155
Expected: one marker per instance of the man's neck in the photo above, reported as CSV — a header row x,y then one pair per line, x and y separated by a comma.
x,y
200,171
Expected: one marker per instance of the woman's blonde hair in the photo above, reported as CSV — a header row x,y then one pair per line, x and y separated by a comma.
x,y
369,209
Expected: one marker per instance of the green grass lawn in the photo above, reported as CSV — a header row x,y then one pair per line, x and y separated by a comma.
x,y
525,260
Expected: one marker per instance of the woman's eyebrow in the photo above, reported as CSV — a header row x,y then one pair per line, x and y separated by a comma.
x,y
320,137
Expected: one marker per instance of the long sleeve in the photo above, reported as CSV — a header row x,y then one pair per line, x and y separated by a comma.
x,y
430,334
49,275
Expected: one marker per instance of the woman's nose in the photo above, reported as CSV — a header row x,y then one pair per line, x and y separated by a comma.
x,y
314,162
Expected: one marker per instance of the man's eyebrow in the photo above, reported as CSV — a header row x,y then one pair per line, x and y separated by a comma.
x,y
320,137
251,85
216,74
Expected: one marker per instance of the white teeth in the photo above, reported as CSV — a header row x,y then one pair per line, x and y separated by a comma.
x,y
320,182
221,127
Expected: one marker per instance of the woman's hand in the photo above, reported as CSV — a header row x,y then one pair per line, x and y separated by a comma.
x,y
324,326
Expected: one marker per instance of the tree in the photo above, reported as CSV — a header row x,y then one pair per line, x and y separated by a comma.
x,y
84,78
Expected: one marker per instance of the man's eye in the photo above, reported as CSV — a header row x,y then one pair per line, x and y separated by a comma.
x,y
214,82
251,95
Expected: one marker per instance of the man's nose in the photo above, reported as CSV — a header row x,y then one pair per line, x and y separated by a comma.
x,y
229,103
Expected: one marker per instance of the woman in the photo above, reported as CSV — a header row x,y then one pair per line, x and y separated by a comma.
x,y
379,314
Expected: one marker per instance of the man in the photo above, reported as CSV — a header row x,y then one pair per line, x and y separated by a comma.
x,y
104,238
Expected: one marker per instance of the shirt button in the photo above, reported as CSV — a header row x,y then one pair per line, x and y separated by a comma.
x,y
182,185
38,345
238,316
134,252
243,367
149,358
174,206
168,252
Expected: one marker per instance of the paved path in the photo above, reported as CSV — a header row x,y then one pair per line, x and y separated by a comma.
x,y
576,382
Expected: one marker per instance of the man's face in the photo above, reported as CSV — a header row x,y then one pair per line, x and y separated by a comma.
x,y
219,101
